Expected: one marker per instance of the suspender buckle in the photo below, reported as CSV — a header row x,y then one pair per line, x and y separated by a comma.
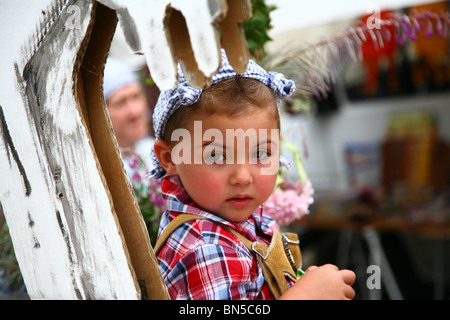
x,y
263,253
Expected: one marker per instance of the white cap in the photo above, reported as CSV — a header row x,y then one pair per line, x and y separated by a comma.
x,y
117,75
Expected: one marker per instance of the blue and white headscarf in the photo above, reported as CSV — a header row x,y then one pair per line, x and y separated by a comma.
x,y
184,95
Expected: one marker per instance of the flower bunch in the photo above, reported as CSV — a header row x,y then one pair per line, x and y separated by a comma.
x,y
148,194
289,202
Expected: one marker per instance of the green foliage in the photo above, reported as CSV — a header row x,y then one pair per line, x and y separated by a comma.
x,y
257,27
148,195
10,275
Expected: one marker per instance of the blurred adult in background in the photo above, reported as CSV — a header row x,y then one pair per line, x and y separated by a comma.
x,y
128,109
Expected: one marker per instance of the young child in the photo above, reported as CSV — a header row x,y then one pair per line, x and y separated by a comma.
x,y
218,152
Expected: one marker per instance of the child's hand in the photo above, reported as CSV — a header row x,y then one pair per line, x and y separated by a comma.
x,y
326,282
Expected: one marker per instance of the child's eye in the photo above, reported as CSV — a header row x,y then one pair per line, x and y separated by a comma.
x,y
261,155
214,157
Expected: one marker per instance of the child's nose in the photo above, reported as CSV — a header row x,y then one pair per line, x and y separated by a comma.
x,y
241,175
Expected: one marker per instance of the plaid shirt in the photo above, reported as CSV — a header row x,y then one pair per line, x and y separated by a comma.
x,y
202,260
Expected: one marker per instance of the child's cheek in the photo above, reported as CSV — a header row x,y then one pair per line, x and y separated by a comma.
x,y
212,185
266,184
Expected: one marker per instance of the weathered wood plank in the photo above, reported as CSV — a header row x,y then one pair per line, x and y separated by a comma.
x,y
89,93
67,242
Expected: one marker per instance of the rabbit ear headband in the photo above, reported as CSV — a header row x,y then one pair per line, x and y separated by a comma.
x,y
183,95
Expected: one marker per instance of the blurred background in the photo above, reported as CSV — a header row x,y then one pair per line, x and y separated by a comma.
x,y
376,148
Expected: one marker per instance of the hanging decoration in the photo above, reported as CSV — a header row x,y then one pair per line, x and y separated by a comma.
x,y
315,66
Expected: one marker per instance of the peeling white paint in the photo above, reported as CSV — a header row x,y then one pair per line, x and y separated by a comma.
x,y
45,244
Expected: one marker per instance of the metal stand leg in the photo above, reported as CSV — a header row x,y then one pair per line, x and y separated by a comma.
x,y
439,269
343,250
350,251
378,256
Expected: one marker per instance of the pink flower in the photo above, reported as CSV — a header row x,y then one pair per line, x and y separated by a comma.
x,y
136,176
290,204
133,162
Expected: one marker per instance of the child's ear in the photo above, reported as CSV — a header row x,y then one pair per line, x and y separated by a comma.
x,y
163,152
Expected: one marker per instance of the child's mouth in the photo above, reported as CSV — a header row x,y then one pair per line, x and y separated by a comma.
x,y
239,201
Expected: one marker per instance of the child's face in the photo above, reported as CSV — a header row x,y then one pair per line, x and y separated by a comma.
x,y
232,178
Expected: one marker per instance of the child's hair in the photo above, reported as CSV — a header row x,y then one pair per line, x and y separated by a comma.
x,y
232,97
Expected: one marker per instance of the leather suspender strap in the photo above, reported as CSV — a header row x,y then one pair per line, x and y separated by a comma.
x,y
275,261
173,225
185,217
